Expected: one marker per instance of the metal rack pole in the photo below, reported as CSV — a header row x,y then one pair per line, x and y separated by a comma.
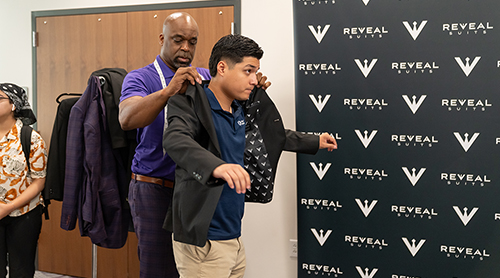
x,y
94,261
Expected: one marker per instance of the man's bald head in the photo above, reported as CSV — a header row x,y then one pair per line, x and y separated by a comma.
x,y
179,18
178,40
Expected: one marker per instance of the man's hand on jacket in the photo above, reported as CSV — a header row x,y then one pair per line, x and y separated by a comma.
x,y
262,79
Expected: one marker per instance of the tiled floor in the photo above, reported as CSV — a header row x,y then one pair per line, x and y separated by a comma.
x,y
39,274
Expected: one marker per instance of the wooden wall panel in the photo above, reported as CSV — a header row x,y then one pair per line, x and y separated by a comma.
x,y
133,258
61,251
70,48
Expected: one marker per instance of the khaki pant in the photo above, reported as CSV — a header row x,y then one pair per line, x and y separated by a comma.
x,y
217,259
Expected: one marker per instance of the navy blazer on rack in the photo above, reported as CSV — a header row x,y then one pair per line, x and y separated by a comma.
x,y
91,189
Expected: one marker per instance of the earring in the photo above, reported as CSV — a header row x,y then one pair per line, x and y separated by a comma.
x,y
13,107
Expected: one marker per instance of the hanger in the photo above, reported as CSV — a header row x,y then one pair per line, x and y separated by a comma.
x,y
102,80
58,99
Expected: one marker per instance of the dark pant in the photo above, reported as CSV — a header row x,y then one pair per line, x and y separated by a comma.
x,y
19,238
149,204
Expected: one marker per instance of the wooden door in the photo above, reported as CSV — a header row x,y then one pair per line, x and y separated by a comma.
x,y
69,49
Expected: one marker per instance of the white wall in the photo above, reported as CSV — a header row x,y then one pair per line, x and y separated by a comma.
x,y
266,228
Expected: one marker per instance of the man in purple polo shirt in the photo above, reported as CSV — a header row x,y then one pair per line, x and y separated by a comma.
x,y
145,92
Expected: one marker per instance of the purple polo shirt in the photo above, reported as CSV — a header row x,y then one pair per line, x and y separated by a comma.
x,y
148,158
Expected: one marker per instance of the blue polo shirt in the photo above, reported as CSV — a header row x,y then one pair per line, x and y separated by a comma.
x,y
148,158
230,129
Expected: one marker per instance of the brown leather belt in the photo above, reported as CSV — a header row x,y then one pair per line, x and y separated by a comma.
x,y
158,181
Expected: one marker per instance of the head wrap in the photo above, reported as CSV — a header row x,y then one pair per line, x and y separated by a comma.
x,y
19,98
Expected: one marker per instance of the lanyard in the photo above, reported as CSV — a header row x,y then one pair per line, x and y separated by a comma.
x,y
160,73
164,85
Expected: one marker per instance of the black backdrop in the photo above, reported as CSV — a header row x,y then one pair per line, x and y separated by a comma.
x,y
410,90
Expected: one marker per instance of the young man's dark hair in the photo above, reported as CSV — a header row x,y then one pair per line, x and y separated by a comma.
x,y
233,48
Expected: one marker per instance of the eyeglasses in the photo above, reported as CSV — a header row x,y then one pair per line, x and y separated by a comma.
x,y
1,98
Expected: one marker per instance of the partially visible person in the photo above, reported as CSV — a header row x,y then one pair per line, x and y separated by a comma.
x,y
206,138
20,189
145,92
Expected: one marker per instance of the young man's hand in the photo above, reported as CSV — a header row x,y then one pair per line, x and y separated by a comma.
x,y
326,141
236,177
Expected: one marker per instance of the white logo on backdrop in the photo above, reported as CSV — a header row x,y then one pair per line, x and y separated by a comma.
x,y
465,217
365,68
415,67
365,103
414,104
413,211
413,248
464,104
465,179
366,2
322,269
320,171
320,204
319,35
365,208
365,173
367,242
320,103
467,28
366,272
314,2
413,176
365,139
466,143
414,140
464,252
467,67
321,237
415,31
365,32
319,68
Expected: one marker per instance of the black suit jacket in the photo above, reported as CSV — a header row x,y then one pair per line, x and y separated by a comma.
x,y
191,141
260,108
56,161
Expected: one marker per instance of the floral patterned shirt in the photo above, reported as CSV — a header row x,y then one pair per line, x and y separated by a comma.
x,y
14,176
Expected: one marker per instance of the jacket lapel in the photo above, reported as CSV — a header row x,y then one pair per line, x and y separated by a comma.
x,y
204,113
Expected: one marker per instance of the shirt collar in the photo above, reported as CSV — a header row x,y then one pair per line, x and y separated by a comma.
x,y
15,130
214,103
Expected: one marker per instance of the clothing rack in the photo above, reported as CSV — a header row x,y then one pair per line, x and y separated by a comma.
x,y
102,81
94,261
59,98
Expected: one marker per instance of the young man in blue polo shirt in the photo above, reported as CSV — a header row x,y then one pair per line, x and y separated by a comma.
x,y
206,139
216,235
